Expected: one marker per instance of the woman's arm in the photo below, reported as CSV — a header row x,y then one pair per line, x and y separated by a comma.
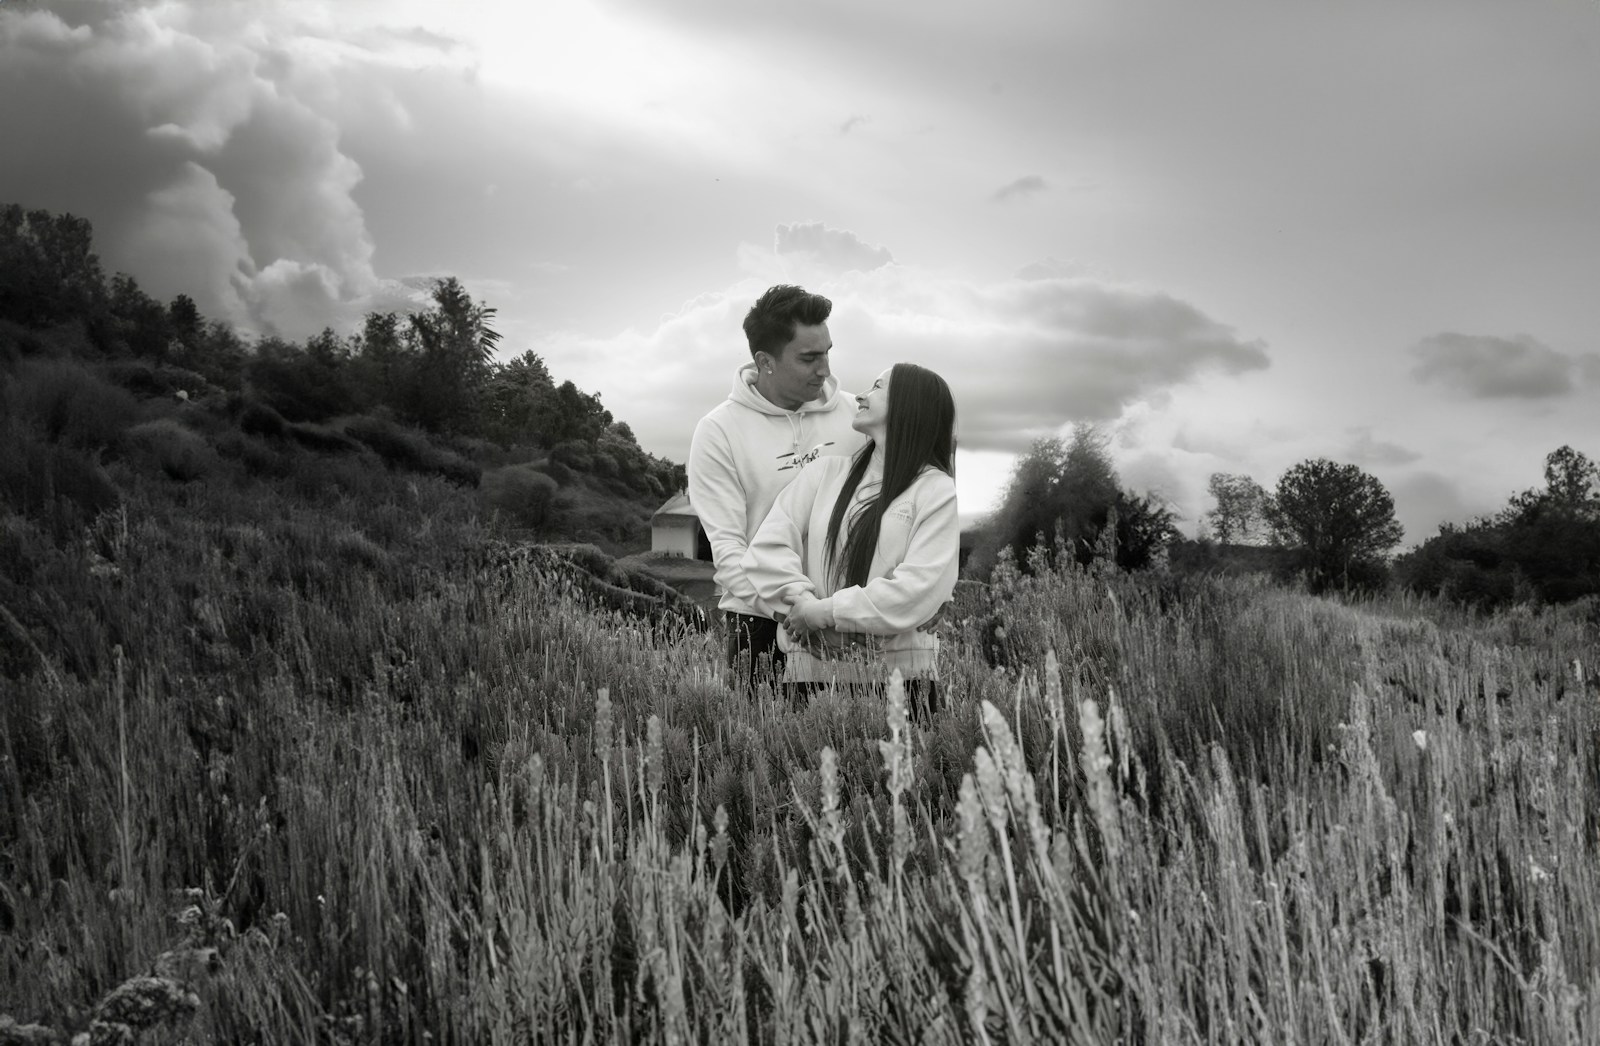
x,y
774,562
912,592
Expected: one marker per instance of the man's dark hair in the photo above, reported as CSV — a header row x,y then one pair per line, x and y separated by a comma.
x,y
770,323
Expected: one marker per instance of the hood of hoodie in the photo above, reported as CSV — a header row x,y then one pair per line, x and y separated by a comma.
x,y
744,393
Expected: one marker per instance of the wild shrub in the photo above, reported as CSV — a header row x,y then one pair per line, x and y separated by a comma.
x,y
520,494
66,403
259,419
558,472
575,454
322,438
57,485
178,452
406,449
301,387
260,457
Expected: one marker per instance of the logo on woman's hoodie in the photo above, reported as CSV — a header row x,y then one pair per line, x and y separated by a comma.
x,y
802,460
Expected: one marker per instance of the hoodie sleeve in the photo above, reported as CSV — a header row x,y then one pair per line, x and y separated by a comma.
x,y
717,494
775,560
911,593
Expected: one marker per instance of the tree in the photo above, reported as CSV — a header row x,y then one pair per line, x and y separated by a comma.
x,y
454,342
49,272
1570,478
1239,514
517,396
139,320
1544,545
1067,493
1339,518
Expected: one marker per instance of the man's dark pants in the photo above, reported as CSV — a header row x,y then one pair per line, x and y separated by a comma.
x,y
753,652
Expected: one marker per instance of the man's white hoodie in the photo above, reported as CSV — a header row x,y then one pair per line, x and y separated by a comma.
x,y
745,451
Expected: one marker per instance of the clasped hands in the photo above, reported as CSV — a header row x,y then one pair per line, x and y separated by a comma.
x,y
807,616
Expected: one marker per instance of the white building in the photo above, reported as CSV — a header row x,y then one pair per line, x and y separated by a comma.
x,y
675,530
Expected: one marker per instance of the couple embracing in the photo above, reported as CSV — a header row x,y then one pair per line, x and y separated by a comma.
x,y
831,517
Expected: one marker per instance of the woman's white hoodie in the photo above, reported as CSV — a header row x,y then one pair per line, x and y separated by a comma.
x,y
913,574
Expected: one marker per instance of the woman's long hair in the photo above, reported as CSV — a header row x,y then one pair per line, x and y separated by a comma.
x,y
920,434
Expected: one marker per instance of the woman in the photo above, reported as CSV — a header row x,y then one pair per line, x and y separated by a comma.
x,y
861,553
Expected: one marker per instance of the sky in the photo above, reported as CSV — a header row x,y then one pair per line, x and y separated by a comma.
x,y
1237,234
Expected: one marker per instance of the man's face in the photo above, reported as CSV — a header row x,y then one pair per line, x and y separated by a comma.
x,y
798,372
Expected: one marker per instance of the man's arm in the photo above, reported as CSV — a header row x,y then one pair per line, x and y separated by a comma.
x,y
718,496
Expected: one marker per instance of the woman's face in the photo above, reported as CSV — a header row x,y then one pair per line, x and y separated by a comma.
x,y
872,409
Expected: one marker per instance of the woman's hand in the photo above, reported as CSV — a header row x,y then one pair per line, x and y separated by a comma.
x,y
807,615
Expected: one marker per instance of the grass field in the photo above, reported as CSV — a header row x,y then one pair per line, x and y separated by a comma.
x,y
325,770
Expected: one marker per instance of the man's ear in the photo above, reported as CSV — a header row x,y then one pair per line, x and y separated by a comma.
x,y
764,361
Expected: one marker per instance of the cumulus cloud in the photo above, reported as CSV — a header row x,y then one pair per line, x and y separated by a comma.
x,y
1027,185
1489,367
1024,357
229,183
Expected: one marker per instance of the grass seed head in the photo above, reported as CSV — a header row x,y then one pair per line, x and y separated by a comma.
x,y
653,756
603,724
991,789
972,836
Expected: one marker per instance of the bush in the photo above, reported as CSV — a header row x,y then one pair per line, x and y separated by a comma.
x,y
259,457
258,419
179,453
64,403
151,379
300,387
520,494
59,487
322,438
404,449
575,454
558,472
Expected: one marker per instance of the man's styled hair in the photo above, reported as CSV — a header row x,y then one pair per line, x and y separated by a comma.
x,y
920,435
770,323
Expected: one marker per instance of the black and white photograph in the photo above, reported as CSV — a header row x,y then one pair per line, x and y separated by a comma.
x,y
838,521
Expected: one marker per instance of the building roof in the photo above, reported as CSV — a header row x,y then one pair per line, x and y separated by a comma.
x,y
677,505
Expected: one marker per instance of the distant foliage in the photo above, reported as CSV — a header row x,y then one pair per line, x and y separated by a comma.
x,y
310,383
1339,520
1238,515
64,402
180,453
520,494
1544,546
49,273
1061,499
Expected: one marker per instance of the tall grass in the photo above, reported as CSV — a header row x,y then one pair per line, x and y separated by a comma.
x,y
412,792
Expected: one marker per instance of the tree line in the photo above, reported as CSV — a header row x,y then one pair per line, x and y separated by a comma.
x,y
434,368
1329,525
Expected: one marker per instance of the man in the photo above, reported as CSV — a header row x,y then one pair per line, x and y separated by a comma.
x,y
784,412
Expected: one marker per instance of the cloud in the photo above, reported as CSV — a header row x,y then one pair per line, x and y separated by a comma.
x,y
229,182
1489,367
833,249
1366,450
1027,185
1050,268
1024,357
